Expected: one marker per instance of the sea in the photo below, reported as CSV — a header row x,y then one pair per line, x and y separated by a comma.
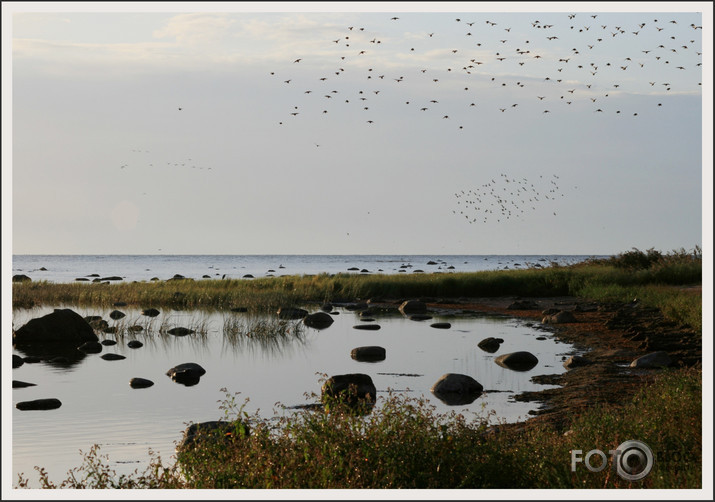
x,y
71,268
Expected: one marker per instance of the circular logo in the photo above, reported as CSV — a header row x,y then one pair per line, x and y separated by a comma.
x,y
634,460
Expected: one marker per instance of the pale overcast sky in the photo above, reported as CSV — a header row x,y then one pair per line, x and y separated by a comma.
x,y
203,128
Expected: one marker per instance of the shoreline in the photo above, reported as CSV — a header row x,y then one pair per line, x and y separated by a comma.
x,y
609,335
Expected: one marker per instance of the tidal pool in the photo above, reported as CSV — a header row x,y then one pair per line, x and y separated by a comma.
x,y
272,371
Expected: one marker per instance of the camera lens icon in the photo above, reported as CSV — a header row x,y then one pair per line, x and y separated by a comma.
x,y
634,460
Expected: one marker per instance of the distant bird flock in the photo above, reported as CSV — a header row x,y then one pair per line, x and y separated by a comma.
x,y
491,55
465,79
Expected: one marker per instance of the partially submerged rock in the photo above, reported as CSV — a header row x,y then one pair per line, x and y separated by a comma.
x,y
490,344
215,430
354,389
369,353
318,320
39,404
140,383
457,389
186,373
63,326
517,361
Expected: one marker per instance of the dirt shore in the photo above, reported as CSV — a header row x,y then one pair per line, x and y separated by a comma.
x,y
608,336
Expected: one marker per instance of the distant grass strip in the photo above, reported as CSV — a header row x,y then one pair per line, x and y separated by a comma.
x,y
404,444
616,279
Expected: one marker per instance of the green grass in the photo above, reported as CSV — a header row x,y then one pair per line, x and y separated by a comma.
x,y
652,277
404,444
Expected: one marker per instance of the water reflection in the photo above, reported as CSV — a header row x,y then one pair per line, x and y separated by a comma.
x,y
264,358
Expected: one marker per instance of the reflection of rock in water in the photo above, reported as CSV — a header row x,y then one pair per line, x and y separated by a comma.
x,y
56,355
455,389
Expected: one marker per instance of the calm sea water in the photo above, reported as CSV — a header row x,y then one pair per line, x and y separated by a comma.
x,y
99,406
68,268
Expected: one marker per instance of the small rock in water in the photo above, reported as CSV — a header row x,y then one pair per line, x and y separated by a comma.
x,y
140,383
134,344
39,404
113,357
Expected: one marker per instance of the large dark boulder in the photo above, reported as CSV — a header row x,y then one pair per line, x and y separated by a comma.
x,y
20,278
354,389
456,389
517,361
63,326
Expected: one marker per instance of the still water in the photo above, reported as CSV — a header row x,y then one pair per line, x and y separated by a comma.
x,y
99,406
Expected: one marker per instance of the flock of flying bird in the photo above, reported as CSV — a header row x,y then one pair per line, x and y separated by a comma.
x,y
547,78
504,198
490,56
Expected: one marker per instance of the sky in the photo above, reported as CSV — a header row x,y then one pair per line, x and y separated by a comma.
x,y
376,128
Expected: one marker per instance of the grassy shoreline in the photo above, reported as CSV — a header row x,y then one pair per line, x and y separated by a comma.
x,y
657,283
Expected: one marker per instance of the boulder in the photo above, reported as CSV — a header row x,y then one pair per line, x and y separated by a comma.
x,y
517,361
456,389
186,373
108,342
490,344
653,360
413,307
291,313
441,325
150,312
318,320
39,404
140,383
370,353
326,307
420,317
134,344
111,278
63,326
213,430
20,278
354,389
